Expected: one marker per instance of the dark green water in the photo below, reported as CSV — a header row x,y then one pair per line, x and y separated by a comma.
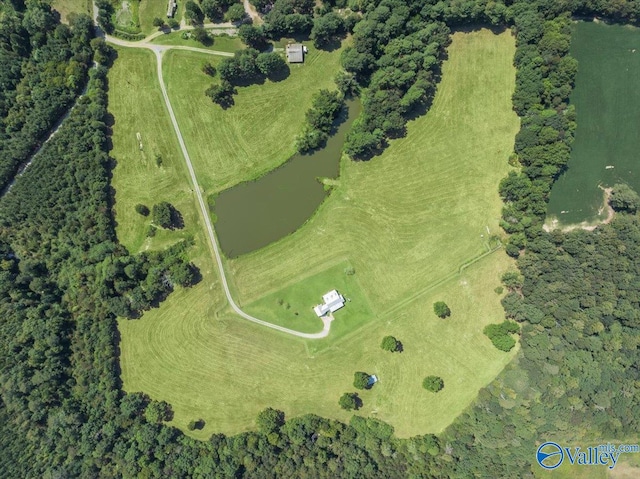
x,y
607,101
254,214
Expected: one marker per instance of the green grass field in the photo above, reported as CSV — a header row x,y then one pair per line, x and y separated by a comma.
x,y
406,222
413,216
65,7
134,94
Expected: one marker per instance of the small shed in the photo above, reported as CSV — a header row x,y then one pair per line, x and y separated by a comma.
x,y
295,53
332,301
372,380
171,9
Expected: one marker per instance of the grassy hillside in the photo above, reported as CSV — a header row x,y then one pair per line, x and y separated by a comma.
x,y
411,217
406,222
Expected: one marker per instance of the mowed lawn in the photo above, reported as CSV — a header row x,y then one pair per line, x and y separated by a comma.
x,y
135,100
292,306
66,7
212,365
258,132
405,221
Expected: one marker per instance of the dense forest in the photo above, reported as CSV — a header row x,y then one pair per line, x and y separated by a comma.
x,y
44,68
64,278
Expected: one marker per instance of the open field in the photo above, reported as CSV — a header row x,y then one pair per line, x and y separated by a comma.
x,y
65,7
135,94
210,364
257,133
405,221
127,17
220,43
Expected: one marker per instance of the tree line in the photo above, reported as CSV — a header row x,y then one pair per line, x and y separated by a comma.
x,y
244,68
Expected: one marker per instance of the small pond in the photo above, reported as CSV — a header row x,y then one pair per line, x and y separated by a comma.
x,y
254,214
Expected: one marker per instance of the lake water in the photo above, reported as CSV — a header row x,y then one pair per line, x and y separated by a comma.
x,y
606,149
254,214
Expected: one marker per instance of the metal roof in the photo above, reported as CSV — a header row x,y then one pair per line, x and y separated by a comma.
x,y
295,53
333,301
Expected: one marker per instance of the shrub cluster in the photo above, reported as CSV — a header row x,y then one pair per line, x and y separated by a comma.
x,y
500,334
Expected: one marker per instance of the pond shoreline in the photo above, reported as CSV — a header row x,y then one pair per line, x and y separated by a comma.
x,y
553,224
257,212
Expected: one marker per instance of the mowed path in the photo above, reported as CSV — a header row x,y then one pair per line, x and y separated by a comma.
x,y
159,50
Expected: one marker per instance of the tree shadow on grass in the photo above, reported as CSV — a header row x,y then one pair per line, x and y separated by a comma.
x,y
207,42
332,44
197,274
177,221
199,424
281,74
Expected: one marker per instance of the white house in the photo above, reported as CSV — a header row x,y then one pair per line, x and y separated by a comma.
x,y
333,301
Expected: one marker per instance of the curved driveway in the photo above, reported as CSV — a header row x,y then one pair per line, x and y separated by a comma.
x,y
159,50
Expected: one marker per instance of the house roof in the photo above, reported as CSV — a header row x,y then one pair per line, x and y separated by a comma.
x,y
332,296
295,54
332,301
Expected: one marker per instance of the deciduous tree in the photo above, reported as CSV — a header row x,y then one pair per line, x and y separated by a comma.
x,y
361,380
441,309
624,198
162,214
270,420
433,383
350,401
389,343
236,13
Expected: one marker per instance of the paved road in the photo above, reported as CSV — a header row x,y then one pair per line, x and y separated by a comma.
x,y
159,50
